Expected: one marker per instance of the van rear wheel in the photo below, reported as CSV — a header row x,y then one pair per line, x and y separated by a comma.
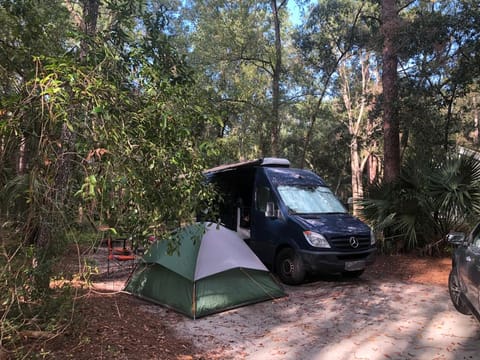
x,y
289,267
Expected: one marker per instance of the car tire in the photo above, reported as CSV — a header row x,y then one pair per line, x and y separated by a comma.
x,y
455,293
353,274
290,267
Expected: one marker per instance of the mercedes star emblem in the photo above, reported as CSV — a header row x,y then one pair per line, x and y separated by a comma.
x,y
354,242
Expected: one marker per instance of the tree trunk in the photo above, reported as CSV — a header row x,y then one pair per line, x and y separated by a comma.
x,y
475,120
450,102
356,168
372,169
277,68
21,163
355,103
89,25
391,129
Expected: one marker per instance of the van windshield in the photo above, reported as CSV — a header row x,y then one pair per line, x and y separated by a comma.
x,y
310,200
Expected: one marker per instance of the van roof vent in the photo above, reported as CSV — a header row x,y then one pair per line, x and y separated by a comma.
x,y
267,162
277,162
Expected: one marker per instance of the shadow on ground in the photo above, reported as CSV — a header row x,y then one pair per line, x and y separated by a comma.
x,y
331,319
374,317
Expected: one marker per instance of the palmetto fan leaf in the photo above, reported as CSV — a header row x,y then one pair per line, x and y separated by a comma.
x,y
402,209
427,201
455,188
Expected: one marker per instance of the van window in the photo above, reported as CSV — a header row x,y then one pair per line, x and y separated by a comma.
x,y
263,196
310,199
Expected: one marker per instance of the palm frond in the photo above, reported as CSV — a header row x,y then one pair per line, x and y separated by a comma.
x,y
455,188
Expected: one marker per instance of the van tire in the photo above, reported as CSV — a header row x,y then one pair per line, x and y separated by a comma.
x,y
289,267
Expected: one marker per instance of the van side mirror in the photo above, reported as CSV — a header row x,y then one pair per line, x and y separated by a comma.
x,y
270,212
456,238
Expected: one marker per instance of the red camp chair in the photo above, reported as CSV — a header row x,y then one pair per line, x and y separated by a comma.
x,y
120,255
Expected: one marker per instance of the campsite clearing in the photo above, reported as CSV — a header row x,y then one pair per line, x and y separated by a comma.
x,y
399,309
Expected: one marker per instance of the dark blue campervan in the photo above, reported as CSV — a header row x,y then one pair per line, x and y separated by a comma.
x,y
291,219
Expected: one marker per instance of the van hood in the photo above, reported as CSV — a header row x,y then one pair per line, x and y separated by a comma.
x,y
333,225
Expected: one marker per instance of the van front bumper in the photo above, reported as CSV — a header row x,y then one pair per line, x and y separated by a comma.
x,y
336,262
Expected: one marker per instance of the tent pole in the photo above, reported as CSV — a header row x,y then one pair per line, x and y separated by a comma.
x,y
194,299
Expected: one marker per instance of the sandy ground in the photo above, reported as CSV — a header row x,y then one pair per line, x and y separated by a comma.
x,y
367,318
363,320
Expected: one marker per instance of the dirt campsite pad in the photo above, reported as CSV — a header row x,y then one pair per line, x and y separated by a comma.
x,y
399,309
331,320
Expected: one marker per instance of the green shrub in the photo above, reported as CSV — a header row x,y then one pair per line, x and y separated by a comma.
x,y
426,202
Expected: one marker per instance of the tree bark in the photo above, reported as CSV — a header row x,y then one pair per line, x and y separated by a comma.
x,y
449,100
475,120
355,106
357,185
89,25
391,128
277,68
21,163
372,169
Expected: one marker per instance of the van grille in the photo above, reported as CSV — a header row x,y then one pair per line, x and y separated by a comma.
x,y
343,243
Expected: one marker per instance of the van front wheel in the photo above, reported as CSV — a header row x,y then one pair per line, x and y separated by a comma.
x,y
289,267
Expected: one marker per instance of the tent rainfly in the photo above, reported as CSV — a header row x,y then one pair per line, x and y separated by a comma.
x,y
212,270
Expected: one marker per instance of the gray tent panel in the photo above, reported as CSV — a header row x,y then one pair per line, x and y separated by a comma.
x,y
222,249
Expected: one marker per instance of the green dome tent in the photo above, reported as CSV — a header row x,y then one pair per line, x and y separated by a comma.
x,y
212,270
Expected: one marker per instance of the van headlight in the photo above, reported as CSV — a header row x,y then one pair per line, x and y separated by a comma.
x,y
372,237
316,239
